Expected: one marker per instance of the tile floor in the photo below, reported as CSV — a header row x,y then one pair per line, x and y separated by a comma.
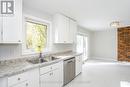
x,y
97,73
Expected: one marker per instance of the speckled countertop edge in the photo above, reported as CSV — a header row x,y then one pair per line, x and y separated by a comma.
x,y
21,65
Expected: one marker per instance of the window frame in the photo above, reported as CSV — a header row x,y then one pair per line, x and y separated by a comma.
x,y
26,18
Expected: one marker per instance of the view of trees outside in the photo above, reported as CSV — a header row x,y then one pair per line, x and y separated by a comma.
x,y
36,36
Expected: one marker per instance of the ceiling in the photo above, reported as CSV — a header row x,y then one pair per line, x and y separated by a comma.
x,y
90,14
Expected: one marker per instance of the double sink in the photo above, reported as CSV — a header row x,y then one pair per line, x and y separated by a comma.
x,y
42,60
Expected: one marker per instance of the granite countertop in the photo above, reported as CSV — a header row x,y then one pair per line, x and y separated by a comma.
x,y
65,56
12,67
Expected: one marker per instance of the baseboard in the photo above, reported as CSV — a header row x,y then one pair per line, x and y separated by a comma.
x,y
107,59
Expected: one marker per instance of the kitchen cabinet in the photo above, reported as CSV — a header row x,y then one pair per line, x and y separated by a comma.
x,y
78,64
33,77
0,24
50,79
23,84
53,78
64,29
12,25
72,31
0,28
17,79
3,82
25,79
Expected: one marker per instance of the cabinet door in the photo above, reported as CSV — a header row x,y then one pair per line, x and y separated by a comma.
x,y
50,79
45,80
72,31
12,24
0,24
3,82
0,28
61,73
55,78
61,25
33,77
24,84
78,65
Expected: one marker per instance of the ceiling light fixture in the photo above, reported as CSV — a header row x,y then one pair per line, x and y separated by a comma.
x,y
115,24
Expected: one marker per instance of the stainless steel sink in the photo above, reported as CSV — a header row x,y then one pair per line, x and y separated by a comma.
x,y
42,60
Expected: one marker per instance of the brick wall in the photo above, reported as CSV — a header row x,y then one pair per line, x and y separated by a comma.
x,y
124,44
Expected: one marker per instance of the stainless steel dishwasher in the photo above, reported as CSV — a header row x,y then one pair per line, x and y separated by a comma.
x,y
69,70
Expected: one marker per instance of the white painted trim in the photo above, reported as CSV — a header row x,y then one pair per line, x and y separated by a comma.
x,y
84,34
100,58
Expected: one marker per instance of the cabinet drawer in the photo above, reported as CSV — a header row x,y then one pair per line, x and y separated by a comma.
x,y
23,84
49,68
17,79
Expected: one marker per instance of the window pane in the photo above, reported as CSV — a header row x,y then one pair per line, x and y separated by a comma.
x,y
79,43
36,36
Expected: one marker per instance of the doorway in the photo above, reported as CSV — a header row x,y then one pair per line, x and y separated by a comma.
x,y
82,45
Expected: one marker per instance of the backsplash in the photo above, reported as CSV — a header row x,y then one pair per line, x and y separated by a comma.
x,y
9,51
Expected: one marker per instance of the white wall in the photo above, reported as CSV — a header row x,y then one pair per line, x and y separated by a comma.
x,y
104,44
13,51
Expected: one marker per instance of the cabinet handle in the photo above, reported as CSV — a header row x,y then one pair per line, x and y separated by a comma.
x,y
26,84
18,78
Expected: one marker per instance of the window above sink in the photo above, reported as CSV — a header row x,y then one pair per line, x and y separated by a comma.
x,y
36,35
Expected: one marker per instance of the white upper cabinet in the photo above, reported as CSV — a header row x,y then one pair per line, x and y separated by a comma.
x,y
0,28
64,29
12,25
72,31
0,23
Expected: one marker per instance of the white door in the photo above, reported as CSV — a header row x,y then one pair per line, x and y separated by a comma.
x,y
82,45
24,84
12,24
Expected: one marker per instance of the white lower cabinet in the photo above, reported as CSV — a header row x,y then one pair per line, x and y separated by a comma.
x,y
33,77
47,76
25,79
23,84
78,63
50,79
53,78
